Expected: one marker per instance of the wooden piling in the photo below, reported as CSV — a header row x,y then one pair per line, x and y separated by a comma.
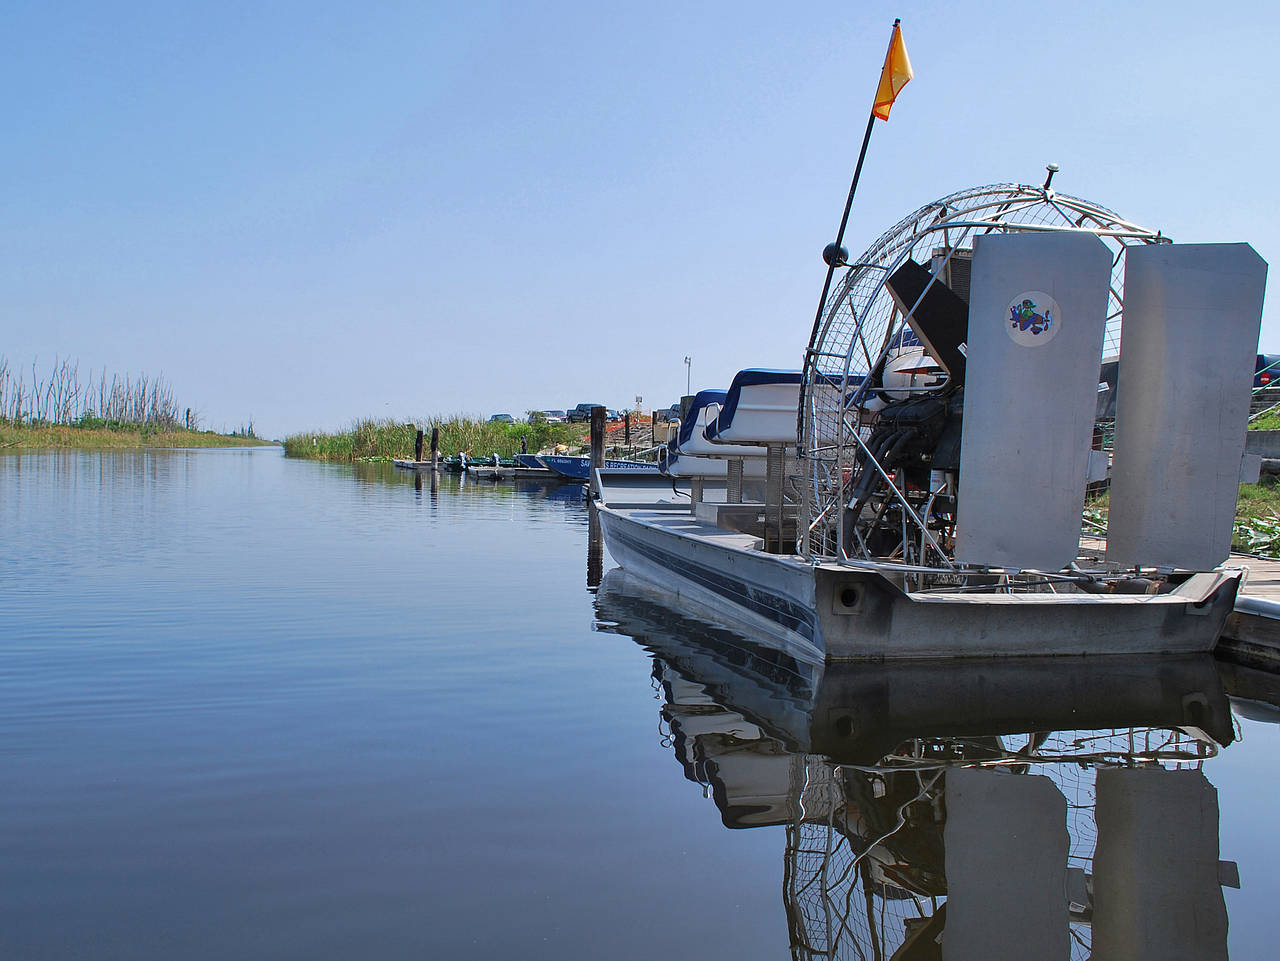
x,y
417,448
435,448
597,443
626,430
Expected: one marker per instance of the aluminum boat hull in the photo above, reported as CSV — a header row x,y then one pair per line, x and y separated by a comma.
x,y
842,612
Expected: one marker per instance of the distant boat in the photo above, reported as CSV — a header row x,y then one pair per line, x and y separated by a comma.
x,y
458,465
579,468
517,472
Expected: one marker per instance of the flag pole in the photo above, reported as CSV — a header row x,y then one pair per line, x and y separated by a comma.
x,y
834,254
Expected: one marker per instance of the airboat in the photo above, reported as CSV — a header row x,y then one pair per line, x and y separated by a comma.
x,y
920,484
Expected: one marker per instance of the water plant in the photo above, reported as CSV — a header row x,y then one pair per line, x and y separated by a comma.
x,y
370,439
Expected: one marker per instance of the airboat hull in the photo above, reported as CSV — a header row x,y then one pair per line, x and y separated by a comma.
x,y
847,612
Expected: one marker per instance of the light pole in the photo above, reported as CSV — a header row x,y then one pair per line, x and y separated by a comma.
x,y
688,375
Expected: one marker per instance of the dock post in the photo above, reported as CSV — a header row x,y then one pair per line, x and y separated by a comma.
x,y
417,448
626,429
597,444
435,447
733,481
775,463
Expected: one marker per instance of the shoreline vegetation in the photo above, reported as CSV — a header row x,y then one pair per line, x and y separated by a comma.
x,y
371,440
42,436
1257,524
1257,528
60,410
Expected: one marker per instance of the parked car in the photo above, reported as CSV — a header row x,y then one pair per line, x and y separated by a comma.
x,y
581,413
670,415
502,419
1266,372
546,416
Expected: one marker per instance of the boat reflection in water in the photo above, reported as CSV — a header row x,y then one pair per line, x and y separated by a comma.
x,y
960,810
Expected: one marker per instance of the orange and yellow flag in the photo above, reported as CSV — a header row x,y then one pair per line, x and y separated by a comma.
x,y
895,75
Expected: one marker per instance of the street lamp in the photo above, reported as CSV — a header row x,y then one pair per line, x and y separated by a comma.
x,y
688,376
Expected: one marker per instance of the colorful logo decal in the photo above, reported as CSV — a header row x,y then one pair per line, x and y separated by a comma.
x,y
1033,319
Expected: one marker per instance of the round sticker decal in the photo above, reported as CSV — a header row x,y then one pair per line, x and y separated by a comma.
x,y
1033,318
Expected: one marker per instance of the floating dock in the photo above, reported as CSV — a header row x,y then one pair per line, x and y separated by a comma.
x,y
1252,632
489,472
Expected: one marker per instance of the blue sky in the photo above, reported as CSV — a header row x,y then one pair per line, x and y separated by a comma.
x,y
305,213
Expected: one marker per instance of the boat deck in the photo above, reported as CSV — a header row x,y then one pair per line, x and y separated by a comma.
x,y
682,522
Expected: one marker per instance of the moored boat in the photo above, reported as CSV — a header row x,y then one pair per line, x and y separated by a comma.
x,y
965,346
514,472
579,468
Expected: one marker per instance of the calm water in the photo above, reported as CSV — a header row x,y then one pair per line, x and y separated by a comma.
x,y
258,708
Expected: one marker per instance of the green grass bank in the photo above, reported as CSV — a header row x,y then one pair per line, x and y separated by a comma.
x,y
1268,421
371,440
118,437
1257,524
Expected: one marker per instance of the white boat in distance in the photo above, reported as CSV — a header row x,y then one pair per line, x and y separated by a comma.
x,y
926,498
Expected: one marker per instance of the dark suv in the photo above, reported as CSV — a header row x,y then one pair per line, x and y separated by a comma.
x,y
1266,372
581,414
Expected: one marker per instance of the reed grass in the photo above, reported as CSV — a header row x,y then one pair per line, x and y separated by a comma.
x,y
122,437
370,440
61,396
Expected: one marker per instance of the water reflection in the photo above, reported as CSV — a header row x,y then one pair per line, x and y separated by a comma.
x,y
510,493
958,810
595,548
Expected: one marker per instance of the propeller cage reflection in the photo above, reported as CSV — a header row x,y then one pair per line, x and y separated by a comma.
x,y
986,809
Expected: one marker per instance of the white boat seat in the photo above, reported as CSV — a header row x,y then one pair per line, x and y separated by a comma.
x,y
759,408
704,410
694,465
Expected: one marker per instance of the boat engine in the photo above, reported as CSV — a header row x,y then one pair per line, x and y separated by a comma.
x,y
914,439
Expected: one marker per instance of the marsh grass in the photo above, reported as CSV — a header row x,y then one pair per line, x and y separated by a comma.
x,y
60,396
116,437
371,440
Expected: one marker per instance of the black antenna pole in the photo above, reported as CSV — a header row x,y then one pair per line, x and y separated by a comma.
x,y
834,254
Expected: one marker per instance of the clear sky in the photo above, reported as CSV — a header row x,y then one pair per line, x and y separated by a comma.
x,y
302,213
